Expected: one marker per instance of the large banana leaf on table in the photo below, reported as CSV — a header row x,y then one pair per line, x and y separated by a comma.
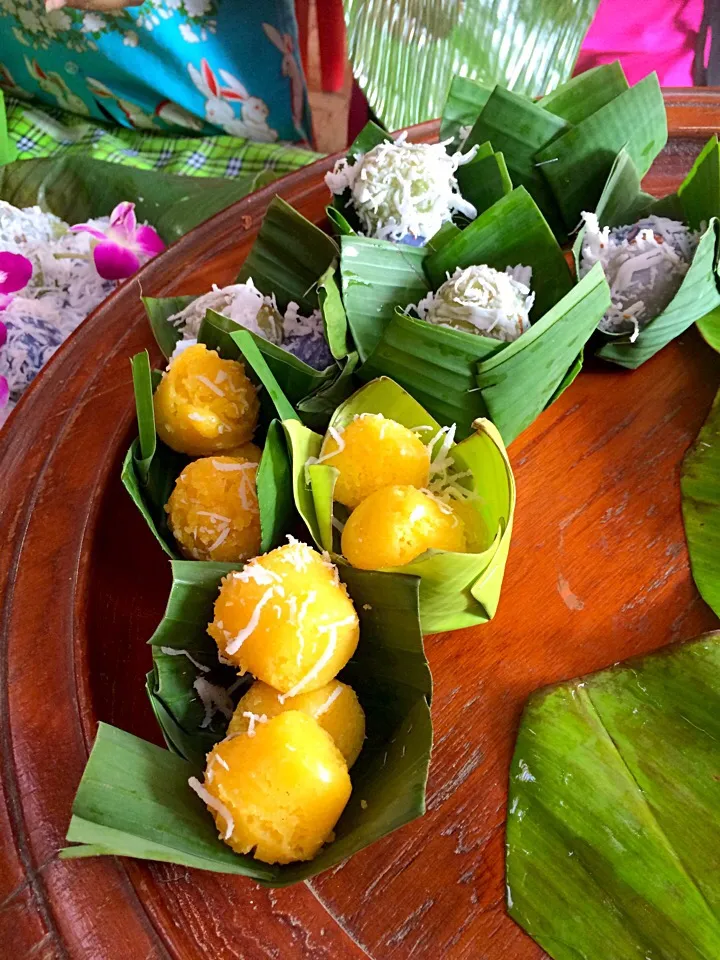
x,y
293,261
456,589
457,376
613,831
134,799
696,203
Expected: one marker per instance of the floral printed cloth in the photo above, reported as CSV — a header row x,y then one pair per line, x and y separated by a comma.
x,y
194,66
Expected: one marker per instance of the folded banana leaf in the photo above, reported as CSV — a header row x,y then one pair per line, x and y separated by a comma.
x,y
134,800
456,589
561,148
613,831
458,376
151,468
709,327
465,100
697,203
483,181
292,260
7,148
700,486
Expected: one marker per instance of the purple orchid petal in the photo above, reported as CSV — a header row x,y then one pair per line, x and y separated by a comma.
x,y
123,220
114,261
148,241
86,228
5,300
15,272
4,392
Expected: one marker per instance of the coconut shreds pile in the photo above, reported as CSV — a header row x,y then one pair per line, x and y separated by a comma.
x,y
644,263
481,300
302,336
403,191
60,294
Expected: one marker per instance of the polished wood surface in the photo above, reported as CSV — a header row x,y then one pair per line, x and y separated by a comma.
x,y
598,571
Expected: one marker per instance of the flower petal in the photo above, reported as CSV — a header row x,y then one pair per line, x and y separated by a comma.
x,y
15,271
148,241
86,228
5,300
4,392
115,262
3,334
123,220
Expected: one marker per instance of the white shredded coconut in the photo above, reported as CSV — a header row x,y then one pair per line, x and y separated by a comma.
x,y
332,629
214,699
400,189
254,718
644,263
482,300
215,804
174,652
324,707
234,645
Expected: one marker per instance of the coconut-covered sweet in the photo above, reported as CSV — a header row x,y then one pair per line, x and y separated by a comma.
x,y
213,510
644,263
279,792
287,619
482,300
335,707
403,191
205,404
374,452
396,524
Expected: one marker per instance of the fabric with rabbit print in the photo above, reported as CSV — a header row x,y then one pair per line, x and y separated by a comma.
x,y
196,66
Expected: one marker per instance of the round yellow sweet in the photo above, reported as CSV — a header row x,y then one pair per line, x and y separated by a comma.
x,y
287,619
205,404
246,451
395,525
335,707
374,452
278,793
213,511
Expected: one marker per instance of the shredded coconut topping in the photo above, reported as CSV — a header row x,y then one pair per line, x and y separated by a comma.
x,y
254,718
400,189
214,699
215,804
174,652
324,707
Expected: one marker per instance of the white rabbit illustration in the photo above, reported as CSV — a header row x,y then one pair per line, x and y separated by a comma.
x,y
54,84
134,115
218,105
292,70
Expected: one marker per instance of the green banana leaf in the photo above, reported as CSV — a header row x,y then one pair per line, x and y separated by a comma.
x,y
697,202
585,94
613,833
8,153
456,589
465,100
150,468
483,181
404,54
133,799
700,486
458,376
709,327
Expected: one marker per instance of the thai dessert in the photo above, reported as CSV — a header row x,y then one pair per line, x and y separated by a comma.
x,y
278,790
482,300
400,191
213,510
204,404
394,525
287,619
644,262
243,303
372,452
335,707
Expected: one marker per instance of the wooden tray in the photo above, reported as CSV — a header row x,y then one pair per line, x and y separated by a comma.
x,y
598,571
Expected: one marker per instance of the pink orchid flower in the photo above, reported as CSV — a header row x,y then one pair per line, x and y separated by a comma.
x,y
15,271
120,251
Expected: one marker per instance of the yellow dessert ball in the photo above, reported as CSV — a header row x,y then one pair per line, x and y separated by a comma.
x,y
246,451
395,525
205,404
335,707
213,511
277,793
287,619
373,452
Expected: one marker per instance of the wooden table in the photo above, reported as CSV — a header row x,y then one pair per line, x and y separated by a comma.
x,y
598,571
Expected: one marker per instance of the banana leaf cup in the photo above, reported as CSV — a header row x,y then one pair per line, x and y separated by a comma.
x,y
561,147
456,589
151,468
697,204
294,261
613,834
134,799
458,376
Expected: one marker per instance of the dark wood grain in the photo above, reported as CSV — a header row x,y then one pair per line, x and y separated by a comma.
x,y
597,572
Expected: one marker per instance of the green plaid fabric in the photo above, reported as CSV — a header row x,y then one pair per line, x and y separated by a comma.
x,y
47,132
